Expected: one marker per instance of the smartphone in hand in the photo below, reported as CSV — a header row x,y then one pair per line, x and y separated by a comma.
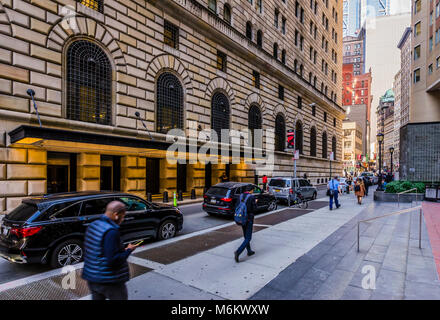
x,y
138,243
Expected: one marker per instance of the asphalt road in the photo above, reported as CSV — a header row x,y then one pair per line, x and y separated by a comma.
x,y
195,219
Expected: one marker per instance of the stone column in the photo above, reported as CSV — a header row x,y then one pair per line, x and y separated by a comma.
x,y
168,176
133,175
196,178
88,172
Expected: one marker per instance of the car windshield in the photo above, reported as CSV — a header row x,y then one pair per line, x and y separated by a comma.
x,y
23,212
281,183
217,191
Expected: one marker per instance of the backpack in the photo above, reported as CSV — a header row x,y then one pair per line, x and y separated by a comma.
x,y
240,215
357,188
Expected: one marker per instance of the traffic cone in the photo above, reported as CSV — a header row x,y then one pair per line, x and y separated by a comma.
x,y
174,200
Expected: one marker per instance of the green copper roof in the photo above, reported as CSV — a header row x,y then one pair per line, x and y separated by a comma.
x,y
388,96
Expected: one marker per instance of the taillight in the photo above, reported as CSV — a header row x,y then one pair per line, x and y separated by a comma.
x,y
205,196
291,191
226,199
25,232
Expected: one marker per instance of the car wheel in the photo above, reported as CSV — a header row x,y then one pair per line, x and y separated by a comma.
x,y
272,205
67,253
167,230
315,195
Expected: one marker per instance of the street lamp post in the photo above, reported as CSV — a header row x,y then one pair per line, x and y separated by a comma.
x,y
391,149
380,140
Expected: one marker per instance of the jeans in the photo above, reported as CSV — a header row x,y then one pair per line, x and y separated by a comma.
x,y
247,233
335,197
366,189
111,291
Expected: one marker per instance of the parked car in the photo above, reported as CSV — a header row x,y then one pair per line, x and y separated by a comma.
x,y
283,188
343,185
50,229
222,198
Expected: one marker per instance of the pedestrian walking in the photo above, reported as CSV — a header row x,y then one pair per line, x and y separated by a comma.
x,y
349,182
251,205
264,182
366,183
105,257
332,192
359,190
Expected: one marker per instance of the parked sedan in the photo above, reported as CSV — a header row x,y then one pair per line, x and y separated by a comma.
x,y
51,229
222,198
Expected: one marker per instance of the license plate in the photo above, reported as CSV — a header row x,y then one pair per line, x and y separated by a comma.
x,y
277,190
213,201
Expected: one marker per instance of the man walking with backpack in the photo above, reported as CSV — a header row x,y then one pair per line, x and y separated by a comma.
x,y
244,216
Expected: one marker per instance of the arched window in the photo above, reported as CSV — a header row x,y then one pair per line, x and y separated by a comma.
x,y
280,133
313,142
169,103
255,122
249,30
299,137
283,56
260,38
227,13
219,113
212,5
324,145
275,50
334,147
89,83
295,66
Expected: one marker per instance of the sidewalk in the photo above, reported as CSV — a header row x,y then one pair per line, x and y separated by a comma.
x,y
333,269
209,271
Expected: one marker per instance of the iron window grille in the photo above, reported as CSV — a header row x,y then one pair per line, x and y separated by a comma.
x,y
97,5
220,113
313,142
334,148
171,35
249,30
324,145
299,137
280,133
300,102
89,83
255,122
325,116
313,110
212,5
169,103
259,38
280,92
256,79
221,61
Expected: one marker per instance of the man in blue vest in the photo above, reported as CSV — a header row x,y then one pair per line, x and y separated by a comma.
x,y
333,189
105,257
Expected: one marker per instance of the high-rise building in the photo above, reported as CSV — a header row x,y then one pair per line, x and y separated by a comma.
x,y
111,78
352,147
385,112
420,145
397,89
405,74
383,57
354,52
352,17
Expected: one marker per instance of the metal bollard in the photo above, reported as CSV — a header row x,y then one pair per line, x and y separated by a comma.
x,y
193,193
165,197
180,196
149,197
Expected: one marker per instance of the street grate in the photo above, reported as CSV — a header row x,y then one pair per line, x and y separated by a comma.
x,y
315,205
281,216
188,247
51,288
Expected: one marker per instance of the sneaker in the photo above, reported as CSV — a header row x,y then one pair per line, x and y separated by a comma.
x,y
251,253
236,256
338,206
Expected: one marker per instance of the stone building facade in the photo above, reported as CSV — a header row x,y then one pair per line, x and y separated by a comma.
x,y
102,69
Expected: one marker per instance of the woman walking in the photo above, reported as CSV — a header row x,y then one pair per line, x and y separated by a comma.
x,y
359,190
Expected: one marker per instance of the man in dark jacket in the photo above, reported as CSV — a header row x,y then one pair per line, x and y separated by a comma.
x,y
251,205
105,258
366,184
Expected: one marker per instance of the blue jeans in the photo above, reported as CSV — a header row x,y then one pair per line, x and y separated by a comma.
x,y
247,233
335,196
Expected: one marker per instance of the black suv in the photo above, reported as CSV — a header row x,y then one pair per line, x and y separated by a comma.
x,y
223,197
50,229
